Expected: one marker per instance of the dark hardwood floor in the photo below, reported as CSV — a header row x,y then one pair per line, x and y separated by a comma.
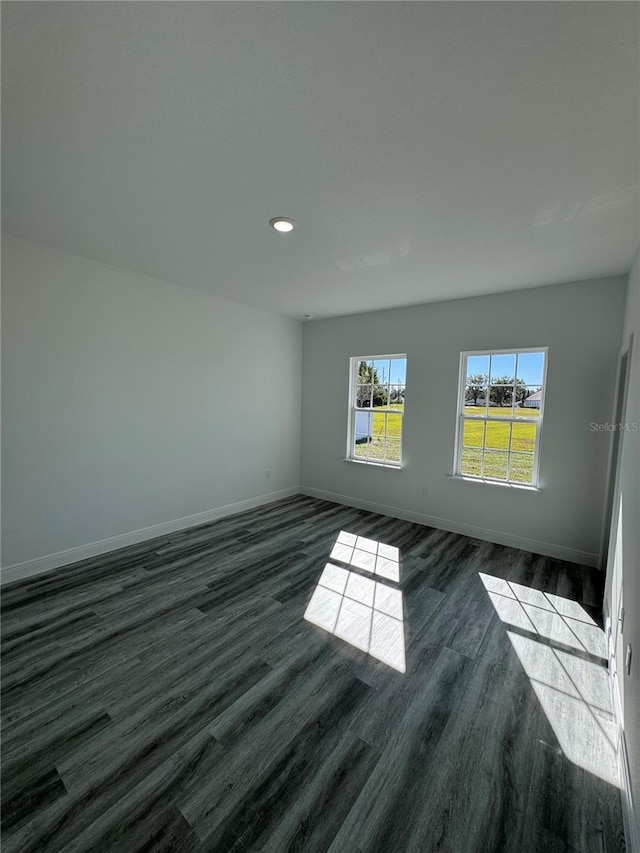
x,y
180,695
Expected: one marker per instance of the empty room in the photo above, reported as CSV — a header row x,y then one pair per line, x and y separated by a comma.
x,y
320,427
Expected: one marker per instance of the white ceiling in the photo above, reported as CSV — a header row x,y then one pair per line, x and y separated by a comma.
x,y
427,150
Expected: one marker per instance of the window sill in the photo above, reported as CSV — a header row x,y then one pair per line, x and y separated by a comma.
x,y
518,487
389,465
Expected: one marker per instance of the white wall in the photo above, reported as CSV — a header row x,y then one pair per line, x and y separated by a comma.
x,y
579,322
130,402
628,488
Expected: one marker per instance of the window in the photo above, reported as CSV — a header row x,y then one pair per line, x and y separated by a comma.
x,y
500,410
377,392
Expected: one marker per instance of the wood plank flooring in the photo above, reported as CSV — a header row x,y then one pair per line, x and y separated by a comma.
x,y
172,696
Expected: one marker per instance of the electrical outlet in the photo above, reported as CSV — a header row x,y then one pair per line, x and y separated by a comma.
x,y
268,474
425,491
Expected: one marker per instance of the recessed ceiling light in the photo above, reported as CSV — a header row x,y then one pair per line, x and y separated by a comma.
x,y
283,224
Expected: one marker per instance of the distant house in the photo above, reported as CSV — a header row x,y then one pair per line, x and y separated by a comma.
x,y
532,402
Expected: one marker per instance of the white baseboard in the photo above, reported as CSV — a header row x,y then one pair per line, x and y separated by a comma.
x,y
26,569
545,548
19,571
628,809
626,791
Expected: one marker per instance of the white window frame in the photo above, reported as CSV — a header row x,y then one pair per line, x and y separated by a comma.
x,y
354,361
462,416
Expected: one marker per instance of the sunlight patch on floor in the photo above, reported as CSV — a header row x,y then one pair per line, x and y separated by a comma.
x,y
365,613
368,555
557,619
572,686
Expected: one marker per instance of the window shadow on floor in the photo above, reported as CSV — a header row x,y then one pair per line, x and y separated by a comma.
x,y
564,654
363,611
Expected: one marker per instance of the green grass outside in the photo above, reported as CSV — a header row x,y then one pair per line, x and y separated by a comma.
x,y
497,440
378,449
